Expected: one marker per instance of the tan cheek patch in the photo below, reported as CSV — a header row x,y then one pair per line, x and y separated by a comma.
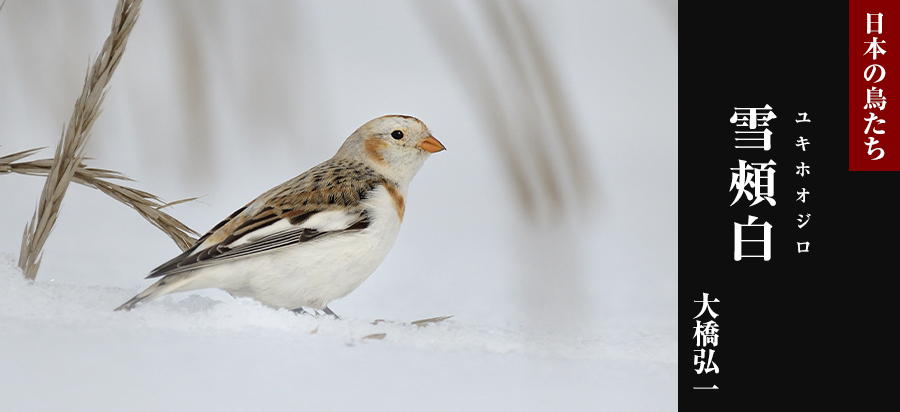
x,y
373,149
399,203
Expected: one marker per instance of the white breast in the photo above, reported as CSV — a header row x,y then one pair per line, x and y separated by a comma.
x,y
315,273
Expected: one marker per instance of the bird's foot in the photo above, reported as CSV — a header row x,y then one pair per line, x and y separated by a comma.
x,y
301,311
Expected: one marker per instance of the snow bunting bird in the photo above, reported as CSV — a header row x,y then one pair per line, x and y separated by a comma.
x,y
316,237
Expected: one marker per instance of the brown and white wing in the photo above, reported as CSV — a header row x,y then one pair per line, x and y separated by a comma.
x,y
314,205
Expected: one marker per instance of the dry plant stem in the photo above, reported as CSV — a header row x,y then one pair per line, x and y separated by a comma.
x,y
520,97
424,322
146,204
7,161
70,151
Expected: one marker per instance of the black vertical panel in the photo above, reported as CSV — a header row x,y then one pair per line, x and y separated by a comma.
x,y
781,322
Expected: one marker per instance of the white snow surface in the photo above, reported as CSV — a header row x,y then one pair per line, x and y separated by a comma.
x,y
62,348
224,100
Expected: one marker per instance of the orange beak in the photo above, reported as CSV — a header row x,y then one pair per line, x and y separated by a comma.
x,y
432,145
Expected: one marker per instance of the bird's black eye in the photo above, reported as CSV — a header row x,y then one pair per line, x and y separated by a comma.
x,y
396,134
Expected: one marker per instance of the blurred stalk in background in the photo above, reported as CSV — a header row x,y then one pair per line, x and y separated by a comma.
x,y
512,81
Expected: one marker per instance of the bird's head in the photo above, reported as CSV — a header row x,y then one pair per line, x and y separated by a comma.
x,y
394,145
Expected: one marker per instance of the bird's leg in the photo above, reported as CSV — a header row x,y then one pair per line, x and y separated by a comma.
x,y
329,312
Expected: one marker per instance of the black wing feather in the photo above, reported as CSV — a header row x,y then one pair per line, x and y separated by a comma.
x,y
221,253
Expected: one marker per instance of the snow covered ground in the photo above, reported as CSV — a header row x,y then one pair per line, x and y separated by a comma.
x,y
283,83
62,348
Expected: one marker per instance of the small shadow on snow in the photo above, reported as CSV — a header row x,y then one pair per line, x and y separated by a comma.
x,y
191,304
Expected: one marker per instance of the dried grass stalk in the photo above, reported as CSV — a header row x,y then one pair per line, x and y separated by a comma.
x,y
519,94
424,322
6,162
146,204
70,151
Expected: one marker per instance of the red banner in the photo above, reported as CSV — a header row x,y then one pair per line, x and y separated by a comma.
x,y
874,67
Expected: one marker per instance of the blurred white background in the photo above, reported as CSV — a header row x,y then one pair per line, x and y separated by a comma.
x,y
225,99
